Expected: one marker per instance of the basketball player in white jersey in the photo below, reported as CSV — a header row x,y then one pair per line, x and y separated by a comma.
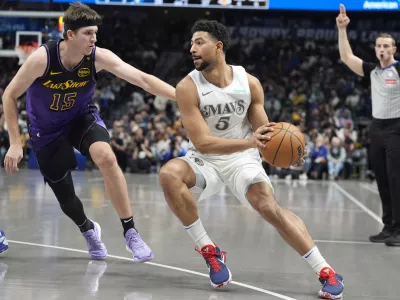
x,y
222,109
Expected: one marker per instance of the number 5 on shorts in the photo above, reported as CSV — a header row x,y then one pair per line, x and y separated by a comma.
x,y
223,123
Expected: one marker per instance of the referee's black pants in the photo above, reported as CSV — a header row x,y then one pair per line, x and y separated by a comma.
x,y
385,159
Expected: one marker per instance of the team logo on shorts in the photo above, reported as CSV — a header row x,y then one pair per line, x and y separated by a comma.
x,y
83,72
198,161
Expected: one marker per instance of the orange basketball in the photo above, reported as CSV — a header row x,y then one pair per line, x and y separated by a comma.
x,y
286,146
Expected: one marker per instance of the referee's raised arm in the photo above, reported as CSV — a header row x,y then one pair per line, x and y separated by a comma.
x,y
346,54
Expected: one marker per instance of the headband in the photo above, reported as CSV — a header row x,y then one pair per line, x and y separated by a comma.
x,y
80,23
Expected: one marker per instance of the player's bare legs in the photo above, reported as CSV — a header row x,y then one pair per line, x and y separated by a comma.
x,y
114,179
294,232
291,228
176,178
117,190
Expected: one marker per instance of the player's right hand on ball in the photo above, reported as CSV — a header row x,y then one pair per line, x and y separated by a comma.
x,y
260,135
13,157
342,19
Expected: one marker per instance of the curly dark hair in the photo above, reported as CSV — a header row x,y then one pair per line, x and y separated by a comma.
x,y
217,30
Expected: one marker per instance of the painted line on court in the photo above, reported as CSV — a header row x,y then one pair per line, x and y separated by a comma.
x,y
250,287
358,203
347,242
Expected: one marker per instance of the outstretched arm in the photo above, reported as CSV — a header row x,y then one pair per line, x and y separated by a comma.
x,y
107,60
197,128
346,54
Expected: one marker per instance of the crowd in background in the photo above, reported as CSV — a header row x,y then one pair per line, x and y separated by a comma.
x,y
304,83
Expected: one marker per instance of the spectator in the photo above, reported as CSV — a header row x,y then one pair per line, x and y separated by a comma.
x,y
319,158
336,158
142,158
118,147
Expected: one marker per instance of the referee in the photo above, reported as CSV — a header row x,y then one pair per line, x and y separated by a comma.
x,y
385,129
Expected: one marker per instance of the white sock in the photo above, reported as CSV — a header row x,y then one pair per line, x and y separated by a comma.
x,y
316,260
198,234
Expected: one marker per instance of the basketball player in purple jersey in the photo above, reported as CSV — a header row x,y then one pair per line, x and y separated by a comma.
x,y
222,109
60,79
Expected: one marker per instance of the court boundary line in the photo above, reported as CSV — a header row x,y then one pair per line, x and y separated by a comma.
x,y
358,203
346,242
250,287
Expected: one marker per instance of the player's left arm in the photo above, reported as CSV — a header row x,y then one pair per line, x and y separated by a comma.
x,y
107,60
256,112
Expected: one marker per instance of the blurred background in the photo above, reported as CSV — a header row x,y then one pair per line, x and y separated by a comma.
x,y
291,46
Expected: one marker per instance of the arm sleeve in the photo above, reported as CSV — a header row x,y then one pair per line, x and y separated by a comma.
x,y
368,68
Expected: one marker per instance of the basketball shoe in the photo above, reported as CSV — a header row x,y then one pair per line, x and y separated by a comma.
x,y
3,242
332,284
215,260
137,247
97,249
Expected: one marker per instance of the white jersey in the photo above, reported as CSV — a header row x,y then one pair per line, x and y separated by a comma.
x,y
225,109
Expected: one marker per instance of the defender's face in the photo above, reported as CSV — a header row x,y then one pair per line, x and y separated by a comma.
x,y
203,50
84,39
384,49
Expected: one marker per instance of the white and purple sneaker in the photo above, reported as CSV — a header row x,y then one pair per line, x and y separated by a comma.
x,y
137,247
97,249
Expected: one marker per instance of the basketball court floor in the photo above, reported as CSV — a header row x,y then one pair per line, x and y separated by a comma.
x,y
47,258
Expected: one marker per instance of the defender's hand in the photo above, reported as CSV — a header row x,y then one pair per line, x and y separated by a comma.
x,y
342,19
12,159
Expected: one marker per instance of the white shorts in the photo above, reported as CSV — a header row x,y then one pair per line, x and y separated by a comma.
x,y
237,171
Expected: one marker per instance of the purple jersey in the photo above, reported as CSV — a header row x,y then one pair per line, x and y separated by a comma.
x,y
59,96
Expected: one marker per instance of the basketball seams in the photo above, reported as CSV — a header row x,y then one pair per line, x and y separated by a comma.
x,y
304,146
279,130
284,155
280,144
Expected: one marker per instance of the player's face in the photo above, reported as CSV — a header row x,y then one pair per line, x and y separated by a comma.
x,y
203,50
85,38
384,49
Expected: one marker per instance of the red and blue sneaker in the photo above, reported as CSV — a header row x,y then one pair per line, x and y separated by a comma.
x,y
332,284
3,242
215,260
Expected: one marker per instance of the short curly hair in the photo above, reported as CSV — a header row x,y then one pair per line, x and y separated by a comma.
x,y
215,29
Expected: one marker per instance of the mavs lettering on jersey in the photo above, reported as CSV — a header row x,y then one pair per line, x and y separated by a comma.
x,y
237,107
225,109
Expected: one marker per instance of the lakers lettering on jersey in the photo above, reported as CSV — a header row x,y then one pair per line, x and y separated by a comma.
x,y
225,109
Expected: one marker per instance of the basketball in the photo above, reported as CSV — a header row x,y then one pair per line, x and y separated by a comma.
x,y
286,146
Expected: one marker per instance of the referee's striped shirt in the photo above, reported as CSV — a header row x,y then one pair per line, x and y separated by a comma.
x,y
385,89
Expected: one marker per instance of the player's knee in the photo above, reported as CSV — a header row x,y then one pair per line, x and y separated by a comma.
x,y
262,199
63,190
170,173
104,157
